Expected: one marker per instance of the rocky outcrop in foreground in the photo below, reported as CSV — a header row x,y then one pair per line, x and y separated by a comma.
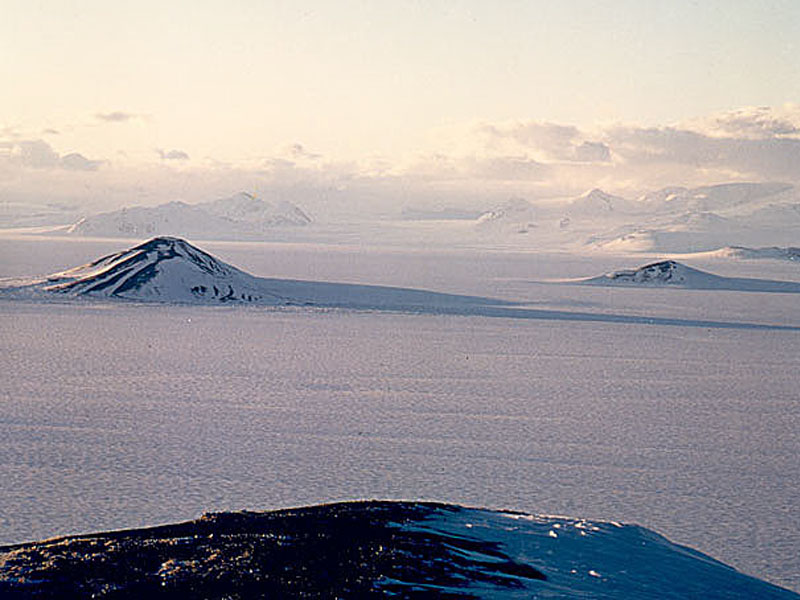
x,y
373,549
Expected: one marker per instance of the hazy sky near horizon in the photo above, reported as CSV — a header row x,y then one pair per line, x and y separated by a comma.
x,y
93,86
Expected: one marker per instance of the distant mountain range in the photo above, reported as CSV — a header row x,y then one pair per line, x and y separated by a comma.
x,y
671,220
240,216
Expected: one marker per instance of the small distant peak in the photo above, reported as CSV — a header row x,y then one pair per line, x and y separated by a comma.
x,y
671,264
662,271
244,196
163,244
163,240
596,199
596,193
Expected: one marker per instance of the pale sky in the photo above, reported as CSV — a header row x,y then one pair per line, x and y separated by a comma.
x,y
241,82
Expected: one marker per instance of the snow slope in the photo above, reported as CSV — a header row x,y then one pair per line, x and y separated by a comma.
x,y
669,273
790,253
256,214
375,549
714,197
516,215
671,220
680,220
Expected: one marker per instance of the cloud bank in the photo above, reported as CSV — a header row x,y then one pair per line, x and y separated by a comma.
x,y
472,165
172,154
117,116
38,154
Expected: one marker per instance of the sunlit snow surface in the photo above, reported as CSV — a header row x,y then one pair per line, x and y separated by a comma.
x,y
120,416
590,560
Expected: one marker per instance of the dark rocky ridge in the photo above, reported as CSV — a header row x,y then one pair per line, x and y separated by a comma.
x,y
664,271
348,550
375,549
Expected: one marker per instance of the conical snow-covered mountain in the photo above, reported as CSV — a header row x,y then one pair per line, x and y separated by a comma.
x,y
669,273
163,269
665,272
171,270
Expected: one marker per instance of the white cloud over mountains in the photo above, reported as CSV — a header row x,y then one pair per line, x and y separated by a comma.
x,y
172,154
38,154
751,143
117,116
756,122
477,163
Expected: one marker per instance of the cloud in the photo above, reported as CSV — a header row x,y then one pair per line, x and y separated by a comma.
x,y
38,154
116,116
172,154
750,143
534,133
592,152
298,151
764,158
33,153
78,162
551,140
475,165
545,141
504,168
755,122
9,133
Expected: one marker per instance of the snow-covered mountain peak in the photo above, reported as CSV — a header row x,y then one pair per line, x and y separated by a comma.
x,y
171,270
716,197
670,273
168,247
597,194
164,268
597,202
246,207
665,271
241,215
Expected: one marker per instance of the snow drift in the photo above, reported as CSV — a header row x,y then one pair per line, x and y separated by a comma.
x,y
374,549
791,253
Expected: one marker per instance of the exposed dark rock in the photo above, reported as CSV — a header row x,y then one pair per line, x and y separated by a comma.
x,y
348,550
